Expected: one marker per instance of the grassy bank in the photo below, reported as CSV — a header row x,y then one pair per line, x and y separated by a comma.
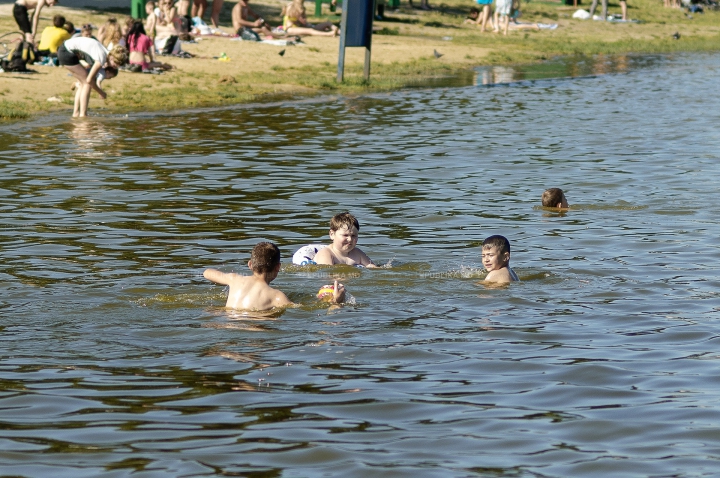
x,y
402,55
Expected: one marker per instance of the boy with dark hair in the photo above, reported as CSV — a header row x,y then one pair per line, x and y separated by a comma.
x,y
554,197
52,37
344,229
254,292
496,260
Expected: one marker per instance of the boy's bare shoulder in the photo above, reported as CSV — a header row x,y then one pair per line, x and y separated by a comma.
x,y
324,255
502,275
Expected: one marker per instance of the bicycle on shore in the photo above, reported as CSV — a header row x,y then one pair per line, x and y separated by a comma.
x,y
8,43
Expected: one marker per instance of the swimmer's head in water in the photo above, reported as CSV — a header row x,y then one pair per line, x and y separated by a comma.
x,y
495,253
344,219
265,258
554,197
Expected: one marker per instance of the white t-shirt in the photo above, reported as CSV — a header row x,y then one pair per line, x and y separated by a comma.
x,y
89,47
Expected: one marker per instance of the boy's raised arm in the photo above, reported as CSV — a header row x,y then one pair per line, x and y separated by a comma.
x,y
217,276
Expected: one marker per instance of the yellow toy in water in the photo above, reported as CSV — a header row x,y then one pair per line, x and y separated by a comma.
x,y
326,292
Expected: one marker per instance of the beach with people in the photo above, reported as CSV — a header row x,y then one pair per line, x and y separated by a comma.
x,y
411,45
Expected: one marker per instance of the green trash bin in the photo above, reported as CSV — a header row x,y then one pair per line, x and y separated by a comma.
x,y
137,9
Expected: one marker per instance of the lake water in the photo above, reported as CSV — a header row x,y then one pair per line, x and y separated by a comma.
x,y
118,359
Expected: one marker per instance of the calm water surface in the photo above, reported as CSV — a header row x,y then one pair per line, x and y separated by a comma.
x,y
117,358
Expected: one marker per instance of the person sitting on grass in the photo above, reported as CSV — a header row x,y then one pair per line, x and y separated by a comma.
x,y
254,292
110,33
244,27
52,37
295,22
69,55
141,49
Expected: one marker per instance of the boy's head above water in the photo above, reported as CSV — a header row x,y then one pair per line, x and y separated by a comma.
x,y
495,253
265,258
554,197
344,219
344,229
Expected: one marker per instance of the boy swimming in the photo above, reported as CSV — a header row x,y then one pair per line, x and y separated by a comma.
x,y
496,260
344,229
254,292
555,198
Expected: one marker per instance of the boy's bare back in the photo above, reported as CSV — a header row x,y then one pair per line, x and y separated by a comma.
x,y
248,292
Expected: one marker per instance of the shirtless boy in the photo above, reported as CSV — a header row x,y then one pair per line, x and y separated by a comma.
x,y
496,260
241,14
254,292
20,12
344,230
554,197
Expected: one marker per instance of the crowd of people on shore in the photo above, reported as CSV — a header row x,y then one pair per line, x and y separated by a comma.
x,y
92,57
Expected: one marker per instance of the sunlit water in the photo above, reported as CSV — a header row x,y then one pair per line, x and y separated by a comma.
x,y
118,359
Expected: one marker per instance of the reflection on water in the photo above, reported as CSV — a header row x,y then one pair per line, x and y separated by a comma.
x,y
118,358
565,67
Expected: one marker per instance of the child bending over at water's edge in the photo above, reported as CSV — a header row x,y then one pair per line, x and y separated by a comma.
x,y
254,292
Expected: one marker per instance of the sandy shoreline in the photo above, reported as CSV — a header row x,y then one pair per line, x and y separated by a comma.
x,y
402,56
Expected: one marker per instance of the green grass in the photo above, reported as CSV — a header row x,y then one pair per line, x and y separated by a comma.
x,y
13,110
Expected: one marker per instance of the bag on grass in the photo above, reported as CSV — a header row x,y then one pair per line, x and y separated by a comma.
x,y
23,55
248,35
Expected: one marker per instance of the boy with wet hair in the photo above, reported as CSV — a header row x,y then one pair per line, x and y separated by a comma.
x,y
496,260
344,229
554,197
254,292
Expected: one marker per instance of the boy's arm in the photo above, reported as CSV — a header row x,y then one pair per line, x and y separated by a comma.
x,y
281,300
365,260
217,276
92,79
36,16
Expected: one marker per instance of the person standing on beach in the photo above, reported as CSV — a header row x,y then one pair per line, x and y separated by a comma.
x,y
623,9
484,15
20,12
502,13
215,14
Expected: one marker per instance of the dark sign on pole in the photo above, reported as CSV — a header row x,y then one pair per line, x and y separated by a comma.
x,y
356,30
